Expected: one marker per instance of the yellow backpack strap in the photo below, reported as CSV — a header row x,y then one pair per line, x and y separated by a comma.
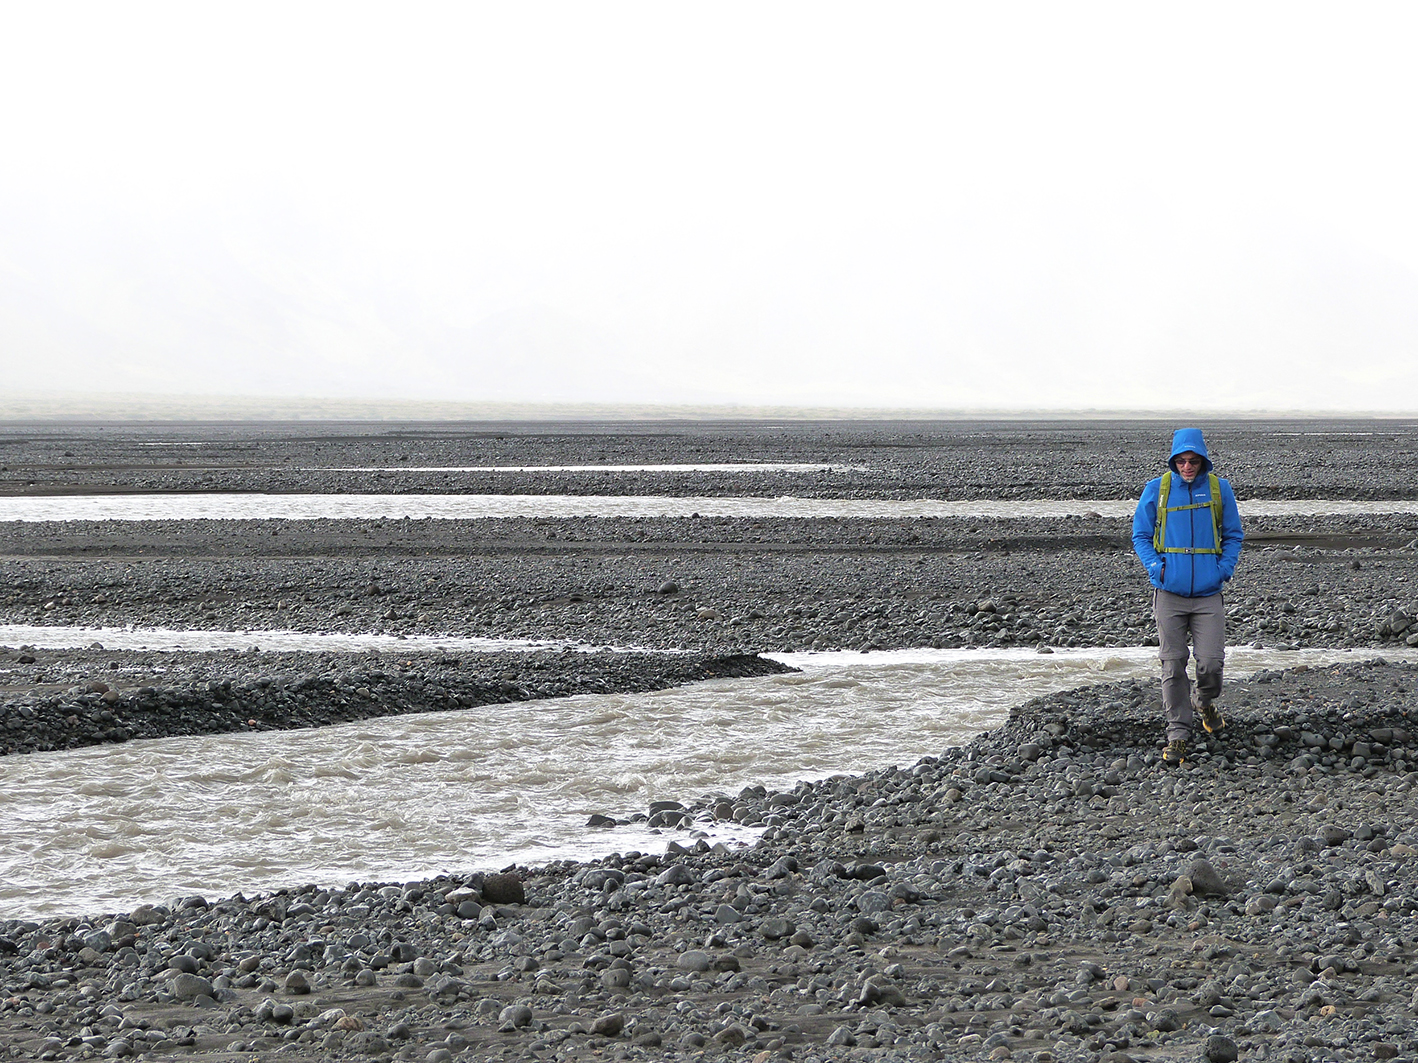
x,y
1160,535
1215,482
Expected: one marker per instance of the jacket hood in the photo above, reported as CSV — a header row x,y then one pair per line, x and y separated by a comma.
x,y
1186,439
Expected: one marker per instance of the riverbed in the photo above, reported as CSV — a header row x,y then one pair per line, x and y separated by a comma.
x,y
940,908
402,798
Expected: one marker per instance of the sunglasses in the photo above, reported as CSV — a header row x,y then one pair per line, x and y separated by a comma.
x,y
1190,461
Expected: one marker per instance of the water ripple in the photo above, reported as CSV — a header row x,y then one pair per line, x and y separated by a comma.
x,y
108,827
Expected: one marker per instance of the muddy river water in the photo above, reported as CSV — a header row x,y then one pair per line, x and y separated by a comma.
x,y
108,827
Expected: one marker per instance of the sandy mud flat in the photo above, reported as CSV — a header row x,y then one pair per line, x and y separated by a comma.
x,y
1046,892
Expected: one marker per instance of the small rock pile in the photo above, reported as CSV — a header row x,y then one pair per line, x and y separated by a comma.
x,y
1401,626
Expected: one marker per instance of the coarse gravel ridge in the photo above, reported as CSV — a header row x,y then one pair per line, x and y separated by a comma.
x,y
67,699
720,587
1263,458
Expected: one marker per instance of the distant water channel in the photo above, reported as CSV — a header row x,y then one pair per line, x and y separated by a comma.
x,y
55,637
106,828
239,506
724,466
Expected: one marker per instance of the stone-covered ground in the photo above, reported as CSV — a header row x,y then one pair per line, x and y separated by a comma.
x,y
92,696
1048,891
1369,458
719,585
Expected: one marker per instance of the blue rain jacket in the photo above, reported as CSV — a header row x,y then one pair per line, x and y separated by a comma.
x,y
1190,575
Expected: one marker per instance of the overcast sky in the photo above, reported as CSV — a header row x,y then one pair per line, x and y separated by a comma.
x,y
982,204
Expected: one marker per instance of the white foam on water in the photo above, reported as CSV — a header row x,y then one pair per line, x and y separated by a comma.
x,y
1241,660
105,828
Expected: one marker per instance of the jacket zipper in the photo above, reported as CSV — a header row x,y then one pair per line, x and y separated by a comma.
x,y
1191,513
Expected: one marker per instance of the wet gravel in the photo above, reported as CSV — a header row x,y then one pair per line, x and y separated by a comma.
x,y
1368,458
1047,892
65,699
720,585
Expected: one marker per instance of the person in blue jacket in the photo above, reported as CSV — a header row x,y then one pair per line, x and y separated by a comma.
x,y
1187,533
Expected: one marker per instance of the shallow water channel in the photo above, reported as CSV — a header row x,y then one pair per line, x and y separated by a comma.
x,y
56,637
105,828
591,470
221,506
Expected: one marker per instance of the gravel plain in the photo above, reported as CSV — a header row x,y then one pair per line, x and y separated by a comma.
x,y
1046,892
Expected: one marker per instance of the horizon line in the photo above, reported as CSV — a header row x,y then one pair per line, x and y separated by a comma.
x,y
139,407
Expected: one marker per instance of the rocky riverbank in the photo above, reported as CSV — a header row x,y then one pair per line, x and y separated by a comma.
x,y
65,699
1047,892
1264,458
718,585
713,585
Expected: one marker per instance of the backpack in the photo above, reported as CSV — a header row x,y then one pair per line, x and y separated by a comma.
x,y
1159,537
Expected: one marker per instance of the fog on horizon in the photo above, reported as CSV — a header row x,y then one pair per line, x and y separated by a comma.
x,y
930,206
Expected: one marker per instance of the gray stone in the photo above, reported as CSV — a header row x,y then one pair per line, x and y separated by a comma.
x,y
609,1025
775,927
693,960
841,1037
515,1016
504,889
675,875
1206,882
873,901
1221,1049
1268,1021
781,868
191,986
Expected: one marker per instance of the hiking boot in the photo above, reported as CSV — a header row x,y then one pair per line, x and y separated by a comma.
x,y
1211,718
1174,753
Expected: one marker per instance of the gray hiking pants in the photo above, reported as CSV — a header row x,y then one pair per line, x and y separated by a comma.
x,y
1205,620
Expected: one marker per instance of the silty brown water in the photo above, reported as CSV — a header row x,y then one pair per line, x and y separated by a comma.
x,y
109,827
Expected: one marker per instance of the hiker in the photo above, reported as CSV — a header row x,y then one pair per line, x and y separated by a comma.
x,y
1187,532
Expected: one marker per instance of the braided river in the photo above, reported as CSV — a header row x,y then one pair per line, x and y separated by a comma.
x,y
106,828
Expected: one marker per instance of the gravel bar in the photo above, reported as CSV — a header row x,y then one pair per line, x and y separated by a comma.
x,y
1048,891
